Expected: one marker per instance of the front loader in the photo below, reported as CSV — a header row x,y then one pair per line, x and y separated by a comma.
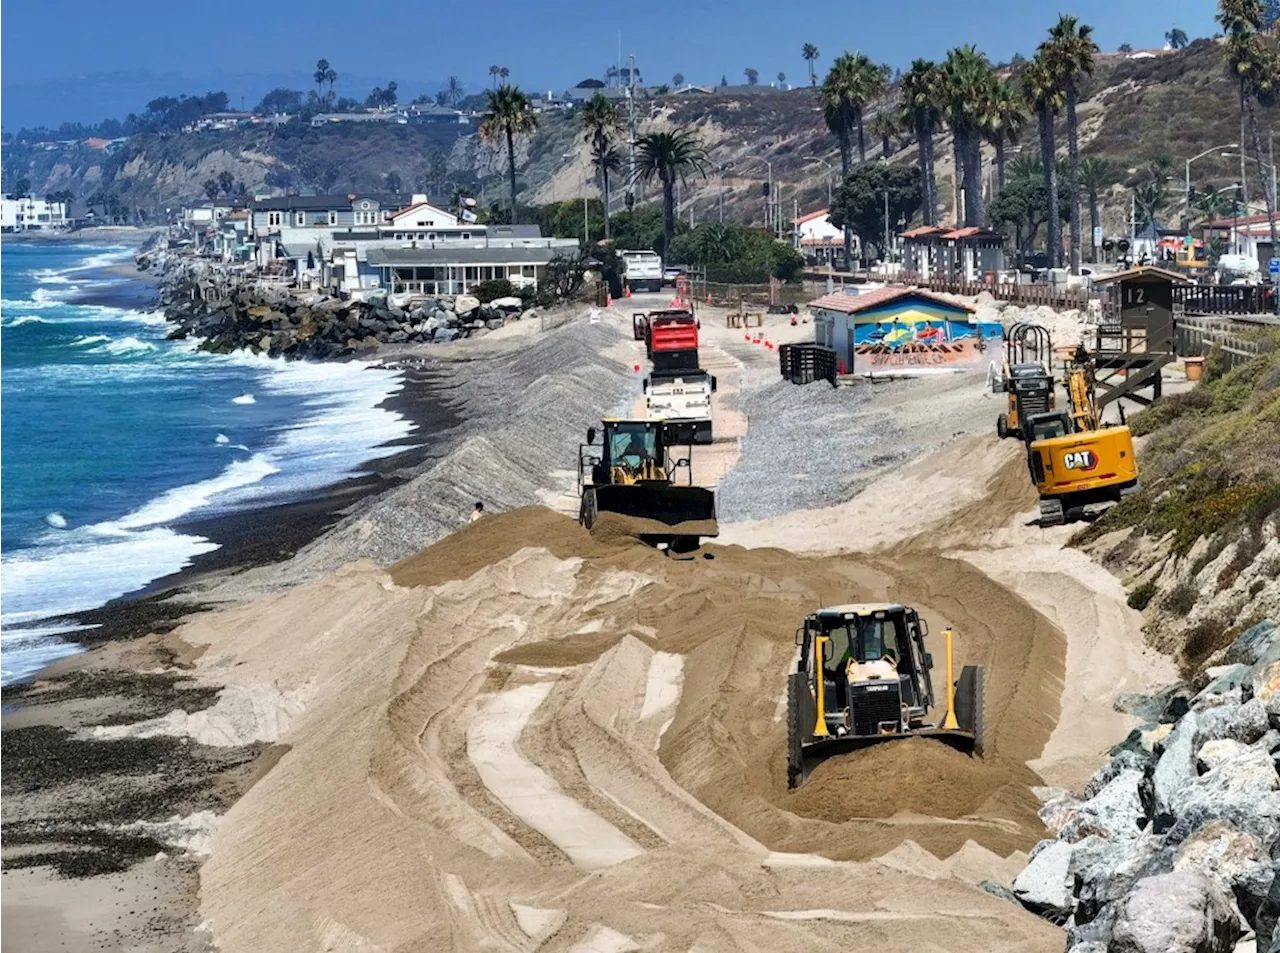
x,y
630,479
863,677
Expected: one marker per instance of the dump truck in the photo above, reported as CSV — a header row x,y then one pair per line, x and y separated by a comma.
x,y
1076,460
630,478
682,396
641,270
670,338
863,676
1025,377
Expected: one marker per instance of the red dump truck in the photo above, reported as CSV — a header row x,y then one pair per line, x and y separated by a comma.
x,y
677,390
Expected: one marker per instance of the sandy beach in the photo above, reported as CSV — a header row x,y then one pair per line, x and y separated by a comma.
x,y
363,725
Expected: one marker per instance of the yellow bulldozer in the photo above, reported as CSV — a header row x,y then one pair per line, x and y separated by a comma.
x,y
1025,377
863,676
1074,458
630,479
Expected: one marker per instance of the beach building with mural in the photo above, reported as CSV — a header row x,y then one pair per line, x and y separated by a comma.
x,y
902,330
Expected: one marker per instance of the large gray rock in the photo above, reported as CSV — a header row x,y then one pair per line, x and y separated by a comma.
x,y
443,335
1104,872
1125,760
1044,885
509,303
1232,858
1179,912
1258,642
1175,769
1112,814
1244,723
1266,690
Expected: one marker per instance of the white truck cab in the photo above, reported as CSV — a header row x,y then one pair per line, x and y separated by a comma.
x,y
642,270
684,396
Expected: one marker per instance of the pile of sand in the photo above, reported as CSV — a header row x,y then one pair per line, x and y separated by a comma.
x,y
470,716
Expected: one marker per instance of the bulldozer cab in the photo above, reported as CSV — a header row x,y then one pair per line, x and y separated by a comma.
x,y
632,451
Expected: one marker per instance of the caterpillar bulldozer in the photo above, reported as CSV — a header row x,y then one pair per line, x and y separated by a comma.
x,y
863,676
1025,377
1075,459
630,476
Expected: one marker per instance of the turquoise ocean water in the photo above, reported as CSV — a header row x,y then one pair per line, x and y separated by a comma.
x,y
111,438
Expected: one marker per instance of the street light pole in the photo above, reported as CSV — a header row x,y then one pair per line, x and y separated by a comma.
x,y
1187,189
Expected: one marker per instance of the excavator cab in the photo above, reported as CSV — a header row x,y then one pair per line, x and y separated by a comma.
x,y
1025,377
863,676
631,476
1074,458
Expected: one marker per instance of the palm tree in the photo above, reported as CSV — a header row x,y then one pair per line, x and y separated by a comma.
x,y
1071,48
1210,206
493,74
782,79
1003,122
1044,96
508,115
600,123
1095,175
321,75
1256,67
1176,39
1148,201
453,91
884,126
670,157
810,54
607,157
967,80
503,72
920,105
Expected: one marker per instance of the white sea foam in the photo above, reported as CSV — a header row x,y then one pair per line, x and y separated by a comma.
x,y
90,339
129,345
222,438
25,319
243,399
177,503
56,520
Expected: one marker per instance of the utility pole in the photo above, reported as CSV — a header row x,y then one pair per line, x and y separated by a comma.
x,y
886,225
631,122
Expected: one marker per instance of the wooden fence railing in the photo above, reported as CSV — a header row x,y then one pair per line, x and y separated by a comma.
x,y
1222,299
1060,299
1199,336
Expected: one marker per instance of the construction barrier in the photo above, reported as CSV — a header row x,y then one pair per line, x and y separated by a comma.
x,y
806,363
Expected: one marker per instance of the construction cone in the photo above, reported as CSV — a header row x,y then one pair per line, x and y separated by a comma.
x,y
608,301
842,368
636,367
708,299
626,291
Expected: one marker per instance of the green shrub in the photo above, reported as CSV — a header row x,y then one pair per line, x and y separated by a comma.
x,y
1180,600
1141,597
487,291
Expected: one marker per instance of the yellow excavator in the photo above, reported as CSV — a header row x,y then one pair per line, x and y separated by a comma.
x,y
1075,459
862,676
630,477
1025,377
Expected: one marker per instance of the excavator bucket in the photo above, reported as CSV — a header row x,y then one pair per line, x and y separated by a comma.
x,y
652,512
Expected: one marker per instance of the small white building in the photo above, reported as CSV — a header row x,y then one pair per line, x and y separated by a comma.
x,y
31,214
816,237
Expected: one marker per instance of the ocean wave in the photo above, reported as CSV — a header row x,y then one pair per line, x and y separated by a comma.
x,y
177,503
90,339
25,319
243,399
28,650
129,345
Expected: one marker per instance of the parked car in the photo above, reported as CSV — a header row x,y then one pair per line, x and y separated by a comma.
x,y
671,273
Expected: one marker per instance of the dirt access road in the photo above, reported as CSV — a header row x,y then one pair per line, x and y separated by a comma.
x,y
530,738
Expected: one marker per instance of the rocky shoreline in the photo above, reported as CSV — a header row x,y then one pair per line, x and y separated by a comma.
x,y
1174,846
229,312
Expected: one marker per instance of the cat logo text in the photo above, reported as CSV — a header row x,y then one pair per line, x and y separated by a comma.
x,y
1080,460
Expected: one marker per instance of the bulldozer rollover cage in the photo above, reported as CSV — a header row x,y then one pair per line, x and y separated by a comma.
x,y
876,687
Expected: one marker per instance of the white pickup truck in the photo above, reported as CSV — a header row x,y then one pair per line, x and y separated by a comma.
x,y
642,270
683,397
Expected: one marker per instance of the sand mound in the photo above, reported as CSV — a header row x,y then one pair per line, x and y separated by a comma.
x,y
488,715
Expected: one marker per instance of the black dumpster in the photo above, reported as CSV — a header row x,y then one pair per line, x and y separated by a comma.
x,y
806,363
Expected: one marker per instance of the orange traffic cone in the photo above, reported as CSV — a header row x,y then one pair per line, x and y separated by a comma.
x,y
608,300
626,291
708,299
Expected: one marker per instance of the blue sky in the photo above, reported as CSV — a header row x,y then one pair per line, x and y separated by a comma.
x,y
170,46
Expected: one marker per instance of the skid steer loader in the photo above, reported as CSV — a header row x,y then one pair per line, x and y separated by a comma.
x,y
1025,377
1074,458
631,476
862,676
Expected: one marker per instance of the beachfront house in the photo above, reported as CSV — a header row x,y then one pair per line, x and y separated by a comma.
x,y
29,214
393,117
818,240
939,252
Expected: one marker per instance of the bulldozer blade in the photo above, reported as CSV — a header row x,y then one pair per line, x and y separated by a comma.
x,y
816,752
660,503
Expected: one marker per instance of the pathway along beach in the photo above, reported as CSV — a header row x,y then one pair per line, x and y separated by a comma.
x,y
523,737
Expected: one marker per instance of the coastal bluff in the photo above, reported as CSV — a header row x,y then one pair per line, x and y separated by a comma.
x,y
229,312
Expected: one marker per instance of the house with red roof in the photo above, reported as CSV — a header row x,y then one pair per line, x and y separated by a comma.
x,y
902,330
816,237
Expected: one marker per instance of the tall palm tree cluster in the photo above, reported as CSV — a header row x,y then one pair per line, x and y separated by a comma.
x,y
965,96
508,116
853,81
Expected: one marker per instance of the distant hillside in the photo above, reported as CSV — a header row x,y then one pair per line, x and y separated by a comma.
x,y
1179,104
